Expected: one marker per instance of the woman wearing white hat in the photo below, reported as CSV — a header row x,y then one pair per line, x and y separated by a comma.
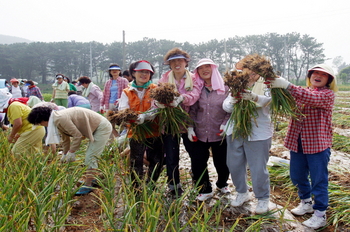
x,y
309,140
209,122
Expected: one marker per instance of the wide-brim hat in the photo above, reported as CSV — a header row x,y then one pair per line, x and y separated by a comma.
x,y
326,69
323,68
205,61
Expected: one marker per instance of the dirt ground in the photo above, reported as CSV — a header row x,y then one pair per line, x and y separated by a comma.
x,y
87,212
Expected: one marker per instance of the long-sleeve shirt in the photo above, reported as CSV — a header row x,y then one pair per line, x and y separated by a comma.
x,y
208,115
122,83
77,100
190,96
95,97
315,128
76,123
262,127
34,91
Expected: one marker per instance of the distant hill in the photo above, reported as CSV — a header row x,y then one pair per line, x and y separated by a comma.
x,y
6,39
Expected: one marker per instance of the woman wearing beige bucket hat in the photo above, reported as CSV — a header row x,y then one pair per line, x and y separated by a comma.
x,y
25,138
309,139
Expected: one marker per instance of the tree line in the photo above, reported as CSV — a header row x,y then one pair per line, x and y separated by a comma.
x,y
291,55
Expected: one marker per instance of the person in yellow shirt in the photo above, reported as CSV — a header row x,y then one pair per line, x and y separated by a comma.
x,y
26,139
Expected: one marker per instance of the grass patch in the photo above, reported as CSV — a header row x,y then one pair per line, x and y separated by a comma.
x,y
341,143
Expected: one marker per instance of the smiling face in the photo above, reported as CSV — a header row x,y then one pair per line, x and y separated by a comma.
x,y
205,72
318,79
142,77
178,65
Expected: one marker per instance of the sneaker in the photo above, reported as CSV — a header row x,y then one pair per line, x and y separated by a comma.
x,y
84,190
225,190
204,196
240,199
262,206
303,208
316,222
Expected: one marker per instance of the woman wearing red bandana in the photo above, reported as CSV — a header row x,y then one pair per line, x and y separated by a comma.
x,y
33,90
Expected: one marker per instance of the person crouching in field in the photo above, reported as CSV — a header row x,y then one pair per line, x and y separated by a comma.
x,y
75,123
25,139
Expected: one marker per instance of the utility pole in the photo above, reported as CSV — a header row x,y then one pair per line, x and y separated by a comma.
x,y
124,50
90,62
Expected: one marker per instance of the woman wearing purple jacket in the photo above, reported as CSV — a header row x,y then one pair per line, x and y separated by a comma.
x,y
209,122
77,100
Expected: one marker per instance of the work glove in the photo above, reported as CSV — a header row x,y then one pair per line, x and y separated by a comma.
x,y
228,103
249,95
277,83
140,119
69,157
159,105
222,130
191,135
176,101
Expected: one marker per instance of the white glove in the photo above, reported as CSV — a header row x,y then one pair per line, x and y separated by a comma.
x,y
69,157
176,101
278,83
222,130
233,100
249,95
159,105
140,119
191,135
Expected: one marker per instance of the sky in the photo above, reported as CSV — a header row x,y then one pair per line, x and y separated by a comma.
x,y
179,20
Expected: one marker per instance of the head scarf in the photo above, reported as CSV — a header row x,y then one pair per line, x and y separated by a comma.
x,y
5,96
216,79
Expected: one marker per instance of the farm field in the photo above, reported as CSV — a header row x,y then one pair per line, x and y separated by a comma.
x,y
37,193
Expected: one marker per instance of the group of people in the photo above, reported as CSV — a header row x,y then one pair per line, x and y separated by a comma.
x,y
209,103
205,97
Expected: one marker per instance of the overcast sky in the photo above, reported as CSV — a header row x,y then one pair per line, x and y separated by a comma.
x,y
179,20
